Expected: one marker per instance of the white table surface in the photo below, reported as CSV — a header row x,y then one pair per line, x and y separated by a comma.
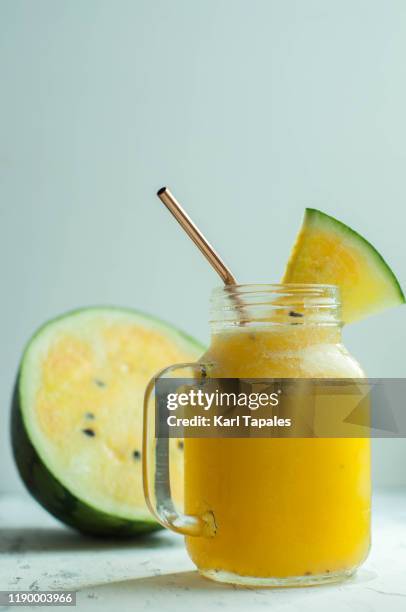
x,y
37,553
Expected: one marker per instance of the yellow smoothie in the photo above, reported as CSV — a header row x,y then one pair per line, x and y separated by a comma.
x,y
291,509
283,508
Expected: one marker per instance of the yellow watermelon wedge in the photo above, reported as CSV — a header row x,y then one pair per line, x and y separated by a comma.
x,y
329,252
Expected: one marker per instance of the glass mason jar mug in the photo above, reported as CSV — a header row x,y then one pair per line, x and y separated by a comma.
x,y
269,511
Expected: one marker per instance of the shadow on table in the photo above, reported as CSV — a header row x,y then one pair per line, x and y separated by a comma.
x,y
23,540
178,583
175,582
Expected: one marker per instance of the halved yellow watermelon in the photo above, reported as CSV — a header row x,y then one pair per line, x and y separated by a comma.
x,y
329,252
77,415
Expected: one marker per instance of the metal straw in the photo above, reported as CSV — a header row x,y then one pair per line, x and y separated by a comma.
x,y
196,235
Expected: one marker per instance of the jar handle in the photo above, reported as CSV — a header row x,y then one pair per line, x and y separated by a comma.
x,y
156,468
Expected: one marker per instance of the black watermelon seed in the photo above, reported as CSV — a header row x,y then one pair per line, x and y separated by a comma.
x,y
180,444
89,432
99,383
137,454
308,573
293,313
89,415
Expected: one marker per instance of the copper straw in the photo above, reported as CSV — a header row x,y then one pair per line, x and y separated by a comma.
x,y
196,235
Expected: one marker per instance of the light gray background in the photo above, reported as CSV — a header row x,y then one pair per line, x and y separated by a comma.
x,y
249,109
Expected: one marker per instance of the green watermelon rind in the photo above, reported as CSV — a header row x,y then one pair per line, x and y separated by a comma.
x,y
45,486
